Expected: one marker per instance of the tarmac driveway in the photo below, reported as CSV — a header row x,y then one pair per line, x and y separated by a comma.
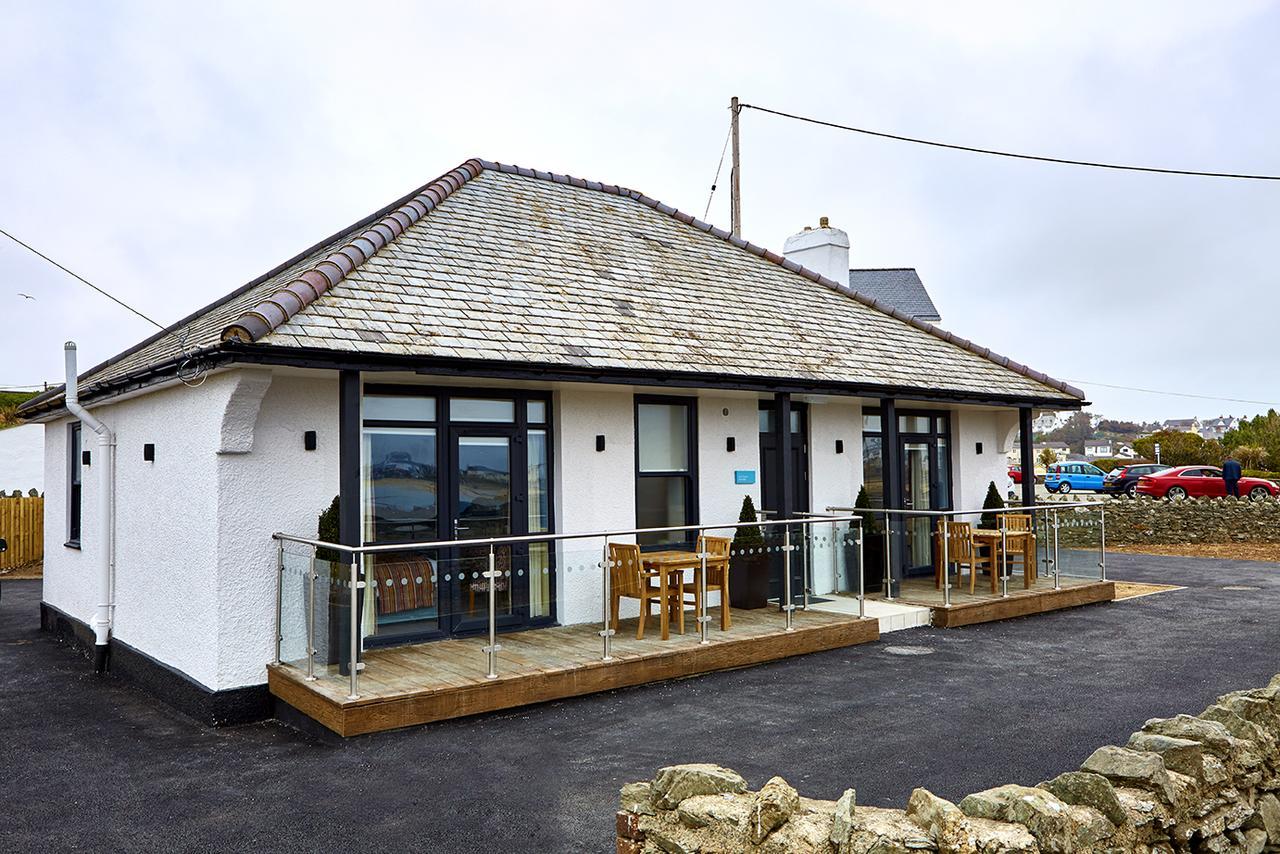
x,y
90,763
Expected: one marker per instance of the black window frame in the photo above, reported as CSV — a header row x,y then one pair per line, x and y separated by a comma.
x,y
447,428
941,424
691,507
75,484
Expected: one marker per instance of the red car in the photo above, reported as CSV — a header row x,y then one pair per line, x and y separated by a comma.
x,y
1201,482
1015,473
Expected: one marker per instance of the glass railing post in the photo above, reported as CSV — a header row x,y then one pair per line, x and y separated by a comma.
x,y
1102,543
787,605
888,558
355,627
606,603
862,578
946,562
491,651
279,598
311,622
1004,556
806,538
1056,572
703,619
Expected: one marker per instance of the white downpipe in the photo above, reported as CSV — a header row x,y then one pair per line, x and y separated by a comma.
x,y
105,464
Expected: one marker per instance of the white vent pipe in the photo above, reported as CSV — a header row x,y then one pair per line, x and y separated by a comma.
x,y
105,498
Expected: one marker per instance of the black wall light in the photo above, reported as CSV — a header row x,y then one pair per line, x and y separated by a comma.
x,y
978,447
149,452
309,440
84,458
839,446
730,444
600,442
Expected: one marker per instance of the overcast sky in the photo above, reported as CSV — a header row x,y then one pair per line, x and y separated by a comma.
x,y
170,152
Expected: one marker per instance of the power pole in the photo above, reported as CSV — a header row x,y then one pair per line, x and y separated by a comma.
x,y
735,193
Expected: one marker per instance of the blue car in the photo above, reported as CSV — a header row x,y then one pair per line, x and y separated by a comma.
x,y
1064,477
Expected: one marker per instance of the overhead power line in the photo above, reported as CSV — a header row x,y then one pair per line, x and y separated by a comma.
x,y
80,278
1179,394
1016,155
716,180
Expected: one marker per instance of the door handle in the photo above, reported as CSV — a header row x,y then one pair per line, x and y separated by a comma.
x,y
457,529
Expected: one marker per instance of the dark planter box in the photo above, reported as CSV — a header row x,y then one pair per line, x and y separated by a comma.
x,y
873,563
749,580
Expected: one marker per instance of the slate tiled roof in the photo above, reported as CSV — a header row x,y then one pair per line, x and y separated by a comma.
x,y
492,262
899,287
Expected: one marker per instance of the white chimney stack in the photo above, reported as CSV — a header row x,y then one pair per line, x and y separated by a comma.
x,y
824,250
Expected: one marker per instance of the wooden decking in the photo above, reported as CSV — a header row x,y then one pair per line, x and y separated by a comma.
x,y
982,606
420,683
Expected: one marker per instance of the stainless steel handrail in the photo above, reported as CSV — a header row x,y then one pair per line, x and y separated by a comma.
x,y
549,537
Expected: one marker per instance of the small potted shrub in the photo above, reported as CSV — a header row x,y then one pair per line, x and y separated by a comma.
x,y
991,521
748,563
872,546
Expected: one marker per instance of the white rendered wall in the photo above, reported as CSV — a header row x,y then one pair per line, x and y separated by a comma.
x,y
974,472
166,582
719,497
195,563
594,490
276,486
22,458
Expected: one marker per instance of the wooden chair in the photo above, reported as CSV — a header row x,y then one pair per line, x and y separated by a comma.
x,y
1021,524
962,551
717,550
629,578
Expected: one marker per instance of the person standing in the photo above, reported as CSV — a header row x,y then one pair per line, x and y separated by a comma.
x,y
1231,474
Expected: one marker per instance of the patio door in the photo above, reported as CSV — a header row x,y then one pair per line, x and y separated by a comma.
x,y
484,503
926,484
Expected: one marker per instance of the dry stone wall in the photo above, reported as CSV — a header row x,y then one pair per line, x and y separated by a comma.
x,y
1133,521
1208,783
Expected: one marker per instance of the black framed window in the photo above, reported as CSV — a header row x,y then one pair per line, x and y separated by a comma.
x,y
74,474
933,428
666,468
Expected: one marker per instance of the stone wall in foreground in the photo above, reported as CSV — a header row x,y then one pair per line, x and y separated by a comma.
x,y
1132,521
1208,783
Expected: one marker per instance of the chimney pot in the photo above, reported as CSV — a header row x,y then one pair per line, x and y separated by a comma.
x,y
823,222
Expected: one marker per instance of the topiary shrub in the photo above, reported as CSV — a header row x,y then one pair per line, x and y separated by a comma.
x,y
993,502
748,536
870,521
327,529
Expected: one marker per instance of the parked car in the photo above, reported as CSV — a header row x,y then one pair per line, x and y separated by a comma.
x,y
1201,482
1123,480
1015,474
1065,477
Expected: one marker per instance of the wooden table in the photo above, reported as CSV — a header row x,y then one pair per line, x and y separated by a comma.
x,y
992,538
669,563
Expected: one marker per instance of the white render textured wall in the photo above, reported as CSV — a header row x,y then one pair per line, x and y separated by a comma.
x,y
277,486
166,579
195,563
22,458
997,430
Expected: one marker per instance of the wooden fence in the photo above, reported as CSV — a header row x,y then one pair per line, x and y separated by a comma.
x,y
22,524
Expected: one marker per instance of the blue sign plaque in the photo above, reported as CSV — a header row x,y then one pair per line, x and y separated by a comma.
x,y
743,477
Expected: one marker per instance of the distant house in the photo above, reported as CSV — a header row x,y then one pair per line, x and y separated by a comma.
x,y
1046,422
1217,428
1182,425
899,287
1125,452
22,458
1097,448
